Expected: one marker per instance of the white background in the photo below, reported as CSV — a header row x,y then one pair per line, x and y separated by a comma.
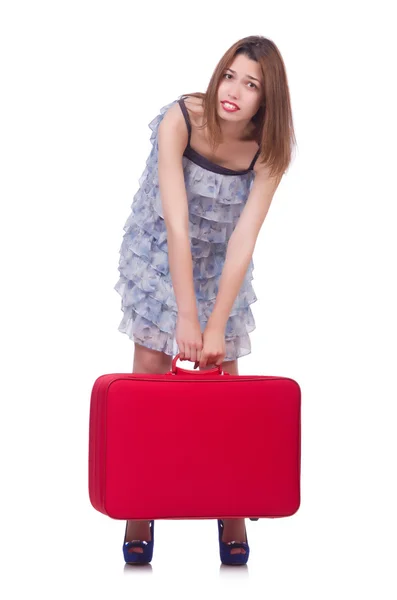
x,y
80,83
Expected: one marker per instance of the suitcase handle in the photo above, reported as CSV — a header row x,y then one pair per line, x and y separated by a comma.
x,y
174,369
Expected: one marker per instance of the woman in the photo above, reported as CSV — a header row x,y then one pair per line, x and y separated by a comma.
x,y
186,257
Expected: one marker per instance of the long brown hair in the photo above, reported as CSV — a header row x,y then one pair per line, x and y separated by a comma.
x,y
274,130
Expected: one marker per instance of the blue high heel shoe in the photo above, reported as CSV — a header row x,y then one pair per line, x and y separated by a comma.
x,y
239,558
140,558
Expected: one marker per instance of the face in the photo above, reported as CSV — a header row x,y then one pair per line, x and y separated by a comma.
x,y
237,86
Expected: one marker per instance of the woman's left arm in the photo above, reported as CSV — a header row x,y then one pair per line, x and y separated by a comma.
x,y
241,246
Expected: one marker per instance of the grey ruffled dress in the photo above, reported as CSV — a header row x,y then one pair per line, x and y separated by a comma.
x,y
216,196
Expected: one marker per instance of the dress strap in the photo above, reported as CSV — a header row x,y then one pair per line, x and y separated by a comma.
x,y
254,159
187,119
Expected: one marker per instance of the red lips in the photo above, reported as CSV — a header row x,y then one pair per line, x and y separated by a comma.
x,y
232,103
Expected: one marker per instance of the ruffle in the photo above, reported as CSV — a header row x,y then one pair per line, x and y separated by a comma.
x,y
140,275
164,316
215,203
149,217
143,332
141,252
212,196
156,330
210,220
154,124
144,238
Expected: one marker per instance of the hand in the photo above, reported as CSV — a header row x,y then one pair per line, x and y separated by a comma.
x,y
188,337
214,347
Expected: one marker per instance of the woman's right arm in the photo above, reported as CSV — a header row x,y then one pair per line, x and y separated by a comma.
x,y
172,140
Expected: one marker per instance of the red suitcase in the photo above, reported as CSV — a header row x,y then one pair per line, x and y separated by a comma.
x,y
194,445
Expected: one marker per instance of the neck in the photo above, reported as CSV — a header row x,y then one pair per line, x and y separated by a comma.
x,y
234,132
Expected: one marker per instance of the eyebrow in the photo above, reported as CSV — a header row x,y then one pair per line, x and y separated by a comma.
x,y
249,76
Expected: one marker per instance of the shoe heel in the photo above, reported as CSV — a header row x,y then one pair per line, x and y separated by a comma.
x,y
225,547
141,558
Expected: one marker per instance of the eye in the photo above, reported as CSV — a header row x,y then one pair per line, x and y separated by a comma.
x,y
230,75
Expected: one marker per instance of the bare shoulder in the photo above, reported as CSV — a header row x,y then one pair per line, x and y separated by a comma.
x,y
195,104
172,131
173,117
195,108
261,169
263,178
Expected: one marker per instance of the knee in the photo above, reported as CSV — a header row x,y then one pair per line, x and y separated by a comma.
x,y
230,366
147,360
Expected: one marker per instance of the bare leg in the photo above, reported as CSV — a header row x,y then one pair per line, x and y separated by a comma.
x,y
234,529
145,361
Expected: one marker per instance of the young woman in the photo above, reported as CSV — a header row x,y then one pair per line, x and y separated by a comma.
x,y
186,257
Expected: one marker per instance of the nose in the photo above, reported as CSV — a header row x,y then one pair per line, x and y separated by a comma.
x,y
233,92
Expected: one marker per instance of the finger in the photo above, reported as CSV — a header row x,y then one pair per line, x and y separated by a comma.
x,y
181,350
193,354
220,357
